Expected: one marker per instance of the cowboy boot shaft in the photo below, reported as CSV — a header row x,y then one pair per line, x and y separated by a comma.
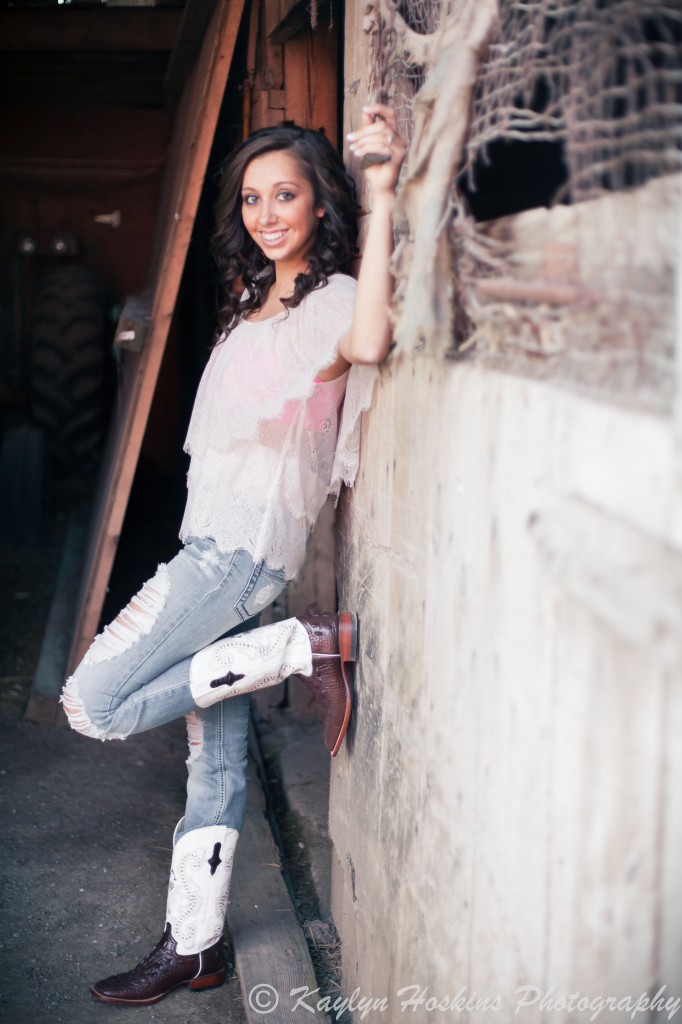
x,y
323,633
190,950
249,661
198,888
313,647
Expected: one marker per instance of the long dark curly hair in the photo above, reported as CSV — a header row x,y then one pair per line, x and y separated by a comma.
x,y
241,264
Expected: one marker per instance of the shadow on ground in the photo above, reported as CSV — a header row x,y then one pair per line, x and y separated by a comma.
x,y
86,826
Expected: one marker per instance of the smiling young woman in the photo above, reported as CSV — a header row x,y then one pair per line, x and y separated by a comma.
x,y
280,214
274,431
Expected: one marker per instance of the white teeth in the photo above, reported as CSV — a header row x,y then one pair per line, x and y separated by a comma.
x,y
273,238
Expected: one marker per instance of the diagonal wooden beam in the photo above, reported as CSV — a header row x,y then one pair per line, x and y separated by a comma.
x,y
195,19
193,133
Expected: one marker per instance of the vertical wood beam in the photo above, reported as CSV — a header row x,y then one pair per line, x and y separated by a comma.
x,y
267,72
310,73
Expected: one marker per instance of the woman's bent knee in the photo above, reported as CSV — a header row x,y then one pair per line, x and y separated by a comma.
x,y
134,622
78,717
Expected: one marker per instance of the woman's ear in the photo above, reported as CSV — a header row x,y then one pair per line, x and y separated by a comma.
x,y
320,211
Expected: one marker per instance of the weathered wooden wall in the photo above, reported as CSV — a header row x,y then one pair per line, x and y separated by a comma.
x,y
507,811
293,78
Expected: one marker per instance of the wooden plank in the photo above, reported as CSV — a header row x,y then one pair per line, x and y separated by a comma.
x,y
195,19
265,68
89,30
297,19
134,322
271,954
190,148
270,55
299,100
310,63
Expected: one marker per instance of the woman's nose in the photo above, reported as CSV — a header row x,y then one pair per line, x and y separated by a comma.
x,y
266,213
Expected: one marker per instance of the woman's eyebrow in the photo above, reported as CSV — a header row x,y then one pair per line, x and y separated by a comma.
x,y
277,184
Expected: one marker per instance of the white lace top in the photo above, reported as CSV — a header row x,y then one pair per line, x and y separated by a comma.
x,y
268,442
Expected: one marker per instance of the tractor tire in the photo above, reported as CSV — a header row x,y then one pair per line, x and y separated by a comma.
x,y
68,368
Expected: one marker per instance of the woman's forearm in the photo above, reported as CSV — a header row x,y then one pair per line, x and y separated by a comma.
x,y
379,147
369,340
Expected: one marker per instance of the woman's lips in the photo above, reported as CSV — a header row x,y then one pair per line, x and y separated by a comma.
x,y
272,238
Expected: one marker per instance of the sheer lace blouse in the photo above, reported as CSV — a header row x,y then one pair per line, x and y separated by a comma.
x,y
268,442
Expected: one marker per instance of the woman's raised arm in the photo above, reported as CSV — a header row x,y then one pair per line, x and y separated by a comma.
x,y
369,339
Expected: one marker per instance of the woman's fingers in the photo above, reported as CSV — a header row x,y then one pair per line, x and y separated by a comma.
x,y
378,146
372,146
382,142
388,114
379,129
375,144
377,135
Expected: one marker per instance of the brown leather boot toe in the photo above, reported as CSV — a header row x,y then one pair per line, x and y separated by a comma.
x,y
160,972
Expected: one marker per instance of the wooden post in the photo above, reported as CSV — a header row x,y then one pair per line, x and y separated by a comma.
x,y
189,152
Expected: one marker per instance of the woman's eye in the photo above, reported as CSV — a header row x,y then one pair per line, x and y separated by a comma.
x,y
286,195
249,200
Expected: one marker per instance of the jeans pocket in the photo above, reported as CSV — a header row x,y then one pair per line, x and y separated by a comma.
x,y
263,587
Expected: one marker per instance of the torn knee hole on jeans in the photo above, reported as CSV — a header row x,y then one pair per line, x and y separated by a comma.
x,y
195,736
78,717
135,621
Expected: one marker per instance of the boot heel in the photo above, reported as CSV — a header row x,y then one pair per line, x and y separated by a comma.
x,y
348,636
348,650
208,980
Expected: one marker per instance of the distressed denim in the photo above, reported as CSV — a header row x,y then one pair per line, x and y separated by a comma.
x,y
136,673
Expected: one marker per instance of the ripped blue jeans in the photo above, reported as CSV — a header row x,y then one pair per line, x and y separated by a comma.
x,y
136,673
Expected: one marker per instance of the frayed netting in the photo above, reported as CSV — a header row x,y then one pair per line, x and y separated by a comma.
x,y
588,285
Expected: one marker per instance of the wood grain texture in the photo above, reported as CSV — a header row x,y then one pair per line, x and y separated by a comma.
x,y
269,946
192,139
310,60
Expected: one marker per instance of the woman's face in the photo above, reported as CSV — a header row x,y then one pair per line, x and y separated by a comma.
x,y
277,208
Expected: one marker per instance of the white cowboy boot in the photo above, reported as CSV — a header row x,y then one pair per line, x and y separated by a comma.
x,y
190,949
314,647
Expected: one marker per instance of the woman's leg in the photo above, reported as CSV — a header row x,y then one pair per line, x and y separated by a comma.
x,y
136,676
216,766
189,952
136,673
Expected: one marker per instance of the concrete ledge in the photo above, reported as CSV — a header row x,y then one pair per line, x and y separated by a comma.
x,y
54,653
270,951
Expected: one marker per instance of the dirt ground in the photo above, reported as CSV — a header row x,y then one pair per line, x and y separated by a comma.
x,y
86,843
